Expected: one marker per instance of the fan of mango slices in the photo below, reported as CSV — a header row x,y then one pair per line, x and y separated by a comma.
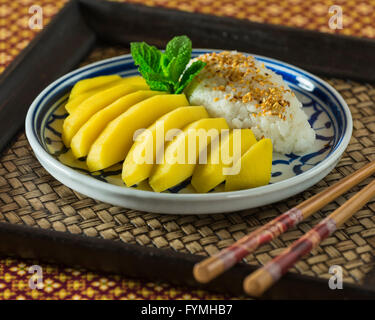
x,y
105,112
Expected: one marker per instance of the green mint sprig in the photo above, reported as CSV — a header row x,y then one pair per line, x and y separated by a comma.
x,y
166,71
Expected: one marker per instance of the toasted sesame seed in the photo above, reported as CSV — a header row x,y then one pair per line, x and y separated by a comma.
x,y
235,69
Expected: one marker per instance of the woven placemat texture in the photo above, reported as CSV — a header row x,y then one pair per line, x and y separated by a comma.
x,y
30,196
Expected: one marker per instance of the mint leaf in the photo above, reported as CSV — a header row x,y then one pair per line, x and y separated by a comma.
x,y
158,86
159,82
168,67
164,63
174,71
166,71
180,48
189,75
146,57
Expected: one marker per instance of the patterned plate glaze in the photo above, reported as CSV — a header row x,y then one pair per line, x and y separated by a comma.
x,y
328,115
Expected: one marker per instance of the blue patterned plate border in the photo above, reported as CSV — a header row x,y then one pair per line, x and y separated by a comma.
x,y
328,114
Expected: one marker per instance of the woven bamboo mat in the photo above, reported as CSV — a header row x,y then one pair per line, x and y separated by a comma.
x,y
30,196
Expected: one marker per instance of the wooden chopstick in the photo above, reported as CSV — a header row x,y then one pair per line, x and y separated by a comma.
x,y
259,281
213,266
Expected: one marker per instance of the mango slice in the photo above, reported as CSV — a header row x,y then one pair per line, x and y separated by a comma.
x,y
134,171
88,133
208,176
92,105
96,82
115,141
176,168
91,83
74,102
256,165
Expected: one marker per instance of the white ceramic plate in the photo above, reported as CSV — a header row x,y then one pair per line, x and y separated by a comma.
x,y
328,114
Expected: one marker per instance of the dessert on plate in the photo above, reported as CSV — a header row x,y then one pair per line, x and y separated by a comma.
x,y
152,124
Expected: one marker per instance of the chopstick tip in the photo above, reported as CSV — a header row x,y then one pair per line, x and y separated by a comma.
x,y
201,273
257,283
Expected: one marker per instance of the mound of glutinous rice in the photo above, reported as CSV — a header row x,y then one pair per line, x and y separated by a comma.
x,y
248,95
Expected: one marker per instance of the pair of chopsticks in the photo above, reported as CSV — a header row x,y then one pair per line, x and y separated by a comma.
x,y
258,282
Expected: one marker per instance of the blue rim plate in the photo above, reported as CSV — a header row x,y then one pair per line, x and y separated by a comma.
x,y
328,114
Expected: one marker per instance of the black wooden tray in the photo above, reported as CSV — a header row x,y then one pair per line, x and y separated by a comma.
x,y
71,36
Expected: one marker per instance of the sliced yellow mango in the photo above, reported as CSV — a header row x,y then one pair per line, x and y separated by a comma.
x,y
74,102
115,141
208,176
91,83
101,82
256,166
134,171
92,105
182,154
88,133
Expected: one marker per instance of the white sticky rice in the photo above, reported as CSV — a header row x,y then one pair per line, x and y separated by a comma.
x,y
289,130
